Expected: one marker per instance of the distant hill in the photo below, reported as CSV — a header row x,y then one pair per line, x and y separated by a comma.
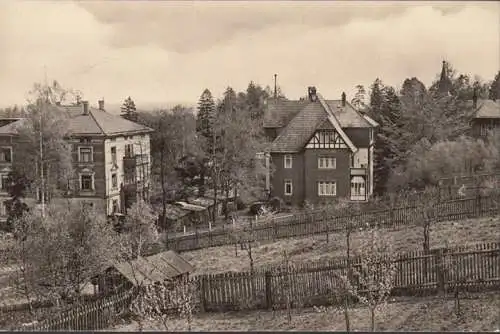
x,y
115,108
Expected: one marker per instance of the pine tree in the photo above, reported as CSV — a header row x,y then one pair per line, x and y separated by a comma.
x,y
256,98
358,101
128,109
494,91
206,114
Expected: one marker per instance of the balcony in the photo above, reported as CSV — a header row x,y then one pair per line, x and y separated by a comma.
x,y
133,161
359,171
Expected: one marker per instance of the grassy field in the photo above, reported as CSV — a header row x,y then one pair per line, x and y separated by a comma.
x,y
315,248
480,313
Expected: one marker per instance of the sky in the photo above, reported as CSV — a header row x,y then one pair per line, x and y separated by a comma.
x,y
165,52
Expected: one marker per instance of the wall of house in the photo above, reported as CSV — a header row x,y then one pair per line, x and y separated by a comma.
x,y
120,142
361,158
95,167
296,174
5,169
341,174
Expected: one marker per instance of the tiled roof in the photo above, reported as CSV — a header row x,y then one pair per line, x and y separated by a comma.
x,y
488,109
95,123
311,115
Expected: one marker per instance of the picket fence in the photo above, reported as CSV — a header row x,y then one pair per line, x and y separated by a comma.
x,y
472,268
323,222
91,316
417,273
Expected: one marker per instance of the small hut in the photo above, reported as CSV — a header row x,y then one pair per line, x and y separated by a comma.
x,y
161,267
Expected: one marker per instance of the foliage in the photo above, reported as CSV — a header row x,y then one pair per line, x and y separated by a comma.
x,y
18,184
141,230
494,91
359,100
157,301
128,107
60,252
41,137
375,274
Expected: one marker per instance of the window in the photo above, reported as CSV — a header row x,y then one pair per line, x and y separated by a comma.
x,y
327,188
4,180
288,187
85,154
358,186
129,150
4,208
114,181
115,206
327,163
113,155
5,154
129,178
288,161
86,182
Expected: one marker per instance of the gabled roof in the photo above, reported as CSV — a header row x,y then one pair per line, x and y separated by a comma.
x,y
95,123
487,109
310,116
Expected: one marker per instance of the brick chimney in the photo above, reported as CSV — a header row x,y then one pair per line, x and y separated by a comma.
x,y
343,99
312,93
101,104
85,107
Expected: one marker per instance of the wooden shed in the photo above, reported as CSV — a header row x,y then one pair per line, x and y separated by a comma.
x,y
161,267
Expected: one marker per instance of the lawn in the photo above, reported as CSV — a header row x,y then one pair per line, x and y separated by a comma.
x,y
315,248
480,313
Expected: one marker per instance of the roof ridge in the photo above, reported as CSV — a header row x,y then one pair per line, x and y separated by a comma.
x,y
96,122
336,123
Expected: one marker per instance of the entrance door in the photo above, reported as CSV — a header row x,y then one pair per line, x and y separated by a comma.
x,y
358,188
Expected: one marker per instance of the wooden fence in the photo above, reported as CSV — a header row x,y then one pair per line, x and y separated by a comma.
x,y
473,270
92,316
322,222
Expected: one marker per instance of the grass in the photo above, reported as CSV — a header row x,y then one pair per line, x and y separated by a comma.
x,y
480,313
315,248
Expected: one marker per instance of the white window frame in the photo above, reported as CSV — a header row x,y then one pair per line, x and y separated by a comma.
x,y
80,154
11,156
114,158
357,186
2,176
327,188
3,209
327,162
92,182
287,158
125,150
286,182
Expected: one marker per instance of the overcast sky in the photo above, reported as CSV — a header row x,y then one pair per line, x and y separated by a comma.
x,y
163,52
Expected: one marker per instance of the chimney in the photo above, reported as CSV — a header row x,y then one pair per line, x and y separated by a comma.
x,y
85,107
101,104
474,99
343,99
312,93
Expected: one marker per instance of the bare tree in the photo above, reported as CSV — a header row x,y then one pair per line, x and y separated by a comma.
x,y
375,274
244,237
141,230
157,302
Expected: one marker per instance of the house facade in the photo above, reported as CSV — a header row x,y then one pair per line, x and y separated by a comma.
x,y
320,149
111,158
486,117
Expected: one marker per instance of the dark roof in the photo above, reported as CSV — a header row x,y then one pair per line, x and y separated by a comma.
x,y
487,109
95,123
154,268
311,115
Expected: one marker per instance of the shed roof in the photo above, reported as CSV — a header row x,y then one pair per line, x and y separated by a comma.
x,y
487,109
155,268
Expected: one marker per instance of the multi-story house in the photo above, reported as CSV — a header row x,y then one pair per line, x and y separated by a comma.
x,y
486,117
111,158
320,149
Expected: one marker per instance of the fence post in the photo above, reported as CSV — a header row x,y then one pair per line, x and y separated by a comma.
x,y
203,290
479,207
440,271
269,292
275,229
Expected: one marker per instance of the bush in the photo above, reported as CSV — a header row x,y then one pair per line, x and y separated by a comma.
x,y
240,205
256,207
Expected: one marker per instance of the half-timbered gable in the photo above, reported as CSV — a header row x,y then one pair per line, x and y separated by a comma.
x,y
314,158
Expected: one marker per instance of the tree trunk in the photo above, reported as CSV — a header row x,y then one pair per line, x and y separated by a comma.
x,y
163,188
372,316
346,313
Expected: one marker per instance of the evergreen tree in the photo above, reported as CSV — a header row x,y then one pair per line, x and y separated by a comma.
x,y
494,91
128,109
18,184
359,99
256,98
206,114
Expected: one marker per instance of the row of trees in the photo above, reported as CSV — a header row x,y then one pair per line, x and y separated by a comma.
x,y
212,149
423,131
